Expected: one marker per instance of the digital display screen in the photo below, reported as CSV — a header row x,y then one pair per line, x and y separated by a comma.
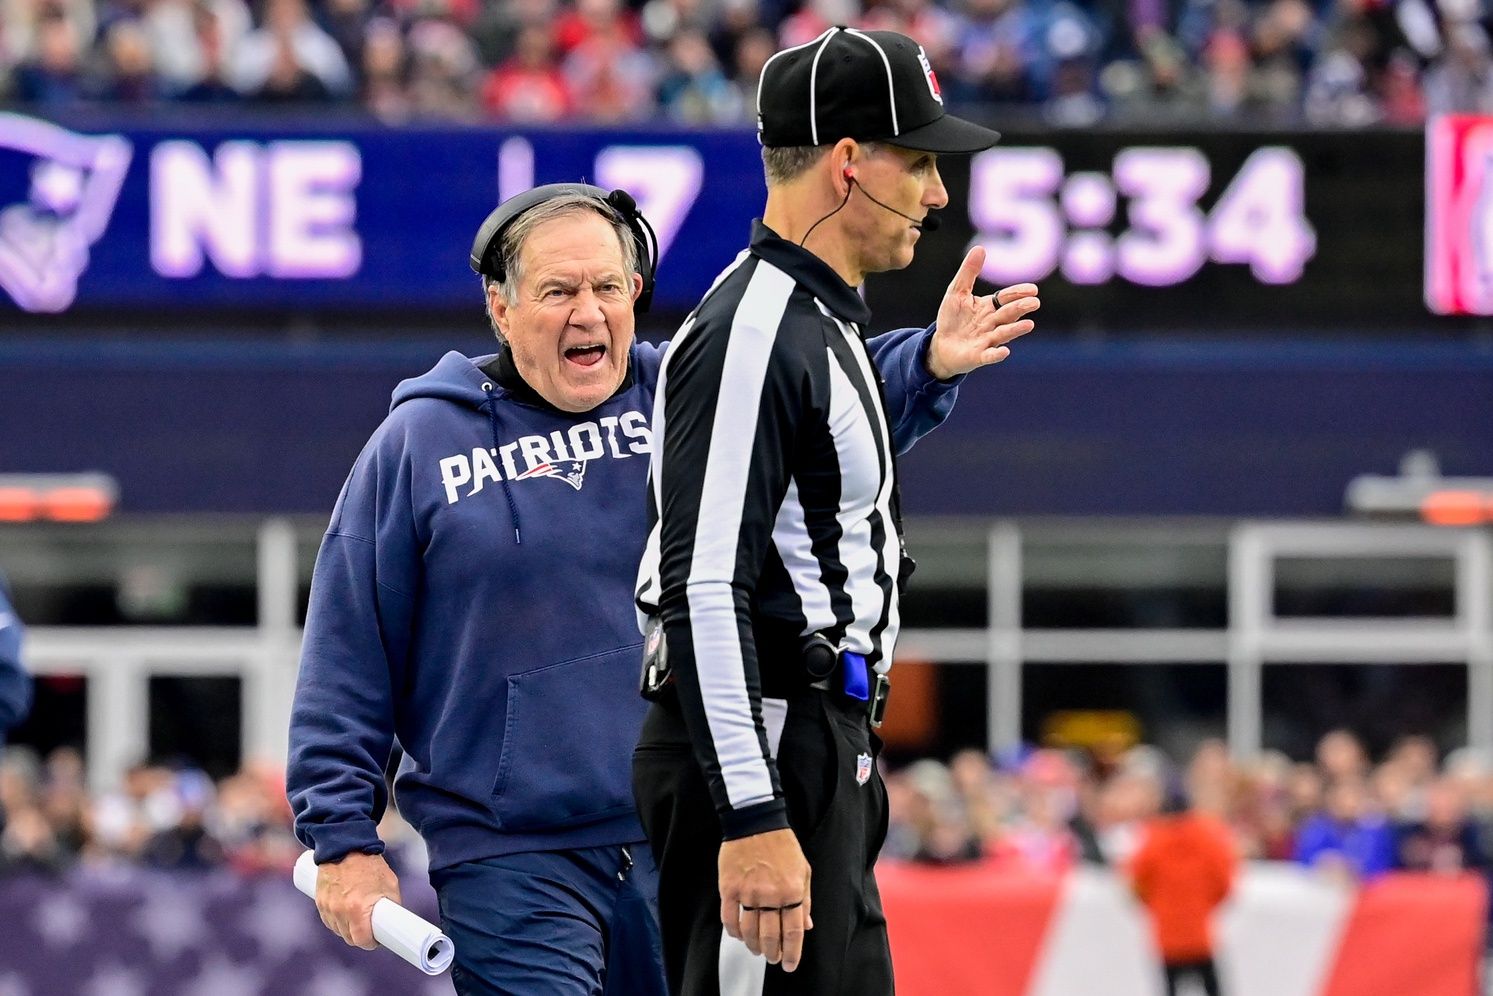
x,y
1216,232
1125,232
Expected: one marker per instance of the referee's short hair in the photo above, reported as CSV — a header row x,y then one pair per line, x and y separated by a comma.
x,y
783,164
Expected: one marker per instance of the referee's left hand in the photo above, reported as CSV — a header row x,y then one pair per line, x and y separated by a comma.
x,y
764,882
974,331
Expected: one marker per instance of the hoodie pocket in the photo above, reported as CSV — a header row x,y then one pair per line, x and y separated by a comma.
x,y
567,742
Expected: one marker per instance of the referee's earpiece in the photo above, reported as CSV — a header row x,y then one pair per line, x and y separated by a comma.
x,y
848,172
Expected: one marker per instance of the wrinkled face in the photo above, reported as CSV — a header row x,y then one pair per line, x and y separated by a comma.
x,y
570,325
906,180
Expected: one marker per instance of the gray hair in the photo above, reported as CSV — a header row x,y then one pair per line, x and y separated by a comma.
x,y
510,250
787,163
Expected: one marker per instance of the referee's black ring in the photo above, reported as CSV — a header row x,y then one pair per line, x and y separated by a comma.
x,y
771,909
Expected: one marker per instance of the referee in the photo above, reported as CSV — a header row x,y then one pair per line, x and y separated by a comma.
x,y
775,558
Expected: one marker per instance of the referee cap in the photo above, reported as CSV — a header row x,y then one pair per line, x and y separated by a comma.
x,y
872,86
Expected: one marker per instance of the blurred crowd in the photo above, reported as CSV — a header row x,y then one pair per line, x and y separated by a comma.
x,y
1340,814
1071,62
1043,811
167,817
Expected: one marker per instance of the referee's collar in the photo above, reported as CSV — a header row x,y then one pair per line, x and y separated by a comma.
x,y
813,273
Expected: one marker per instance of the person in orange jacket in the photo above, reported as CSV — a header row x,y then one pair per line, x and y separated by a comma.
x,y
1183,870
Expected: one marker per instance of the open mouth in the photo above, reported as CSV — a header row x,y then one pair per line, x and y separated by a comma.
x,y
586,356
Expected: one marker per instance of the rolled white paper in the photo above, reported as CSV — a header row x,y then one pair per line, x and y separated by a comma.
x,y
410,936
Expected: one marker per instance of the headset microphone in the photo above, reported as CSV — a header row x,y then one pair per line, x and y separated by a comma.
x,y
929,223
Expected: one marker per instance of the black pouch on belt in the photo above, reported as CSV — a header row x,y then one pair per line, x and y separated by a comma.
x,y
656,671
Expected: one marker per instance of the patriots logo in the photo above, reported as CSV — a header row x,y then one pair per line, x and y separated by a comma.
x,y
72,186
930,76
572,472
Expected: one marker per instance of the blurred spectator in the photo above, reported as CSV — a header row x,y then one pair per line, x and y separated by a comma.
x,y
528,87
189,40
52,74
24,22
610,76
592,19
27,841
933,829
753,49
1347,839
181,842
385,72
991,61
1338,63
1182,871
1446,841
664,21
1039,836
693,88
216,32
129,77
443,71
1127,803
289,59
814,18
1462,83
1340,755
499,26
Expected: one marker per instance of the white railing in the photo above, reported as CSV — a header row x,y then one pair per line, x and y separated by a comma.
x,y
118,662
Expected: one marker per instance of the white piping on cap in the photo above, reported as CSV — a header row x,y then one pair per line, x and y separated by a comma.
x,y
762,77
814,87
891,89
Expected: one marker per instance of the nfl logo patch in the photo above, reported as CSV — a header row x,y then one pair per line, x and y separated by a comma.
x,y
862,769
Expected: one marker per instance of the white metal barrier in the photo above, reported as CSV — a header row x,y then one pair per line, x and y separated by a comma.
x,y
118,662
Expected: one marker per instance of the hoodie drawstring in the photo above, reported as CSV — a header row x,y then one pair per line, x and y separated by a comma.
x,y
492,415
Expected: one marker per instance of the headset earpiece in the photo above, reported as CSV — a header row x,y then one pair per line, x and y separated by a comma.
x,y
848,172
487,249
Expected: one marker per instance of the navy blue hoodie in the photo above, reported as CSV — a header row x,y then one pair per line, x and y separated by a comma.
x,y
473,597
15,683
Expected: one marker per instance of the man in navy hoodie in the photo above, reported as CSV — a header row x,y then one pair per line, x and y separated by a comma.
x,y
473,600
15,683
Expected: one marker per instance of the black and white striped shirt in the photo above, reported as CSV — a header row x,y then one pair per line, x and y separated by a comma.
x,y
773,470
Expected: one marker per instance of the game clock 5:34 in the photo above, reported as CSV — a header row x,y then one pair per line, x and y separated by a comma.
x,y
1142,220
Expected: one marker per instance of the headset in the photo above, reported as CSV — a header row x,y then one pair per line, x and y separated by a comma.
x,y
487,248
927,224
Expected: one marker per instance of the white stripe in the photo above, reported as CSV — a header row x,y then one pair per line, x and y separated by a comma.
x,y
763,75
1097,914
1287,910
790,534
891,553
814,88
863,488
739,972
774,715
649,588
709,589
891,89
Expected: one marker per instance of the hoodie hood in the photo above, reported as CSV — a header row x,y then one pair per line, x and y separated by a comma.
x,y
455,378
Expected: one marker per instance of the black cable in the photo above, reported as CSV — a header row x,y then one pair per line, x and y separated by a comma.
x,y
848,188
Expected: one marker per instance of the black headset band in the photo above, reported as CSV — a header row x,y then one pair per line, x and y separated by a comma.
x,y
487,249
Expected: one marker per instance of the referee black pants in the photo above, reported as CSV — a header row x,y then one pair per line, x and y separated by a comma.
x,y
837,807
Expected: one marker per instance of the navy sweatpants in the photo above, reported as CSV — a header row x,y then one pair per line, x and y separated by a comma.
x,y
554,923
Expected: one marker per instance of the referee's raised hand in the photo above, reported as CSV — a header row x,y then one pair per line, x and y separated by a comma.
x,y
764,882
974,331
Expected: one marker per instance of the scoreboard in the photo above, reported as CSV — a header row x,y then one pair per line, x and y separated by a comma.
x,y
1206,233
